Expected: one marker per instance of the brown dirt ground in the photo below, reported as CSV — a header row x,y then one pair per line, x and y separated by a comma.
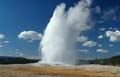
x,y
49,71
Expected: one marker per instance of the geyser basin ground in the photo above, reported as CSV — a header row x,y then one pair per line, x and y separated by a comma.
x,y
60,71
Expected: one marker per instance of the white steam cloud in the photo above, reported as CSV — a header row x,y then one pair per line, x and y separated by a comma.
x,y
59,39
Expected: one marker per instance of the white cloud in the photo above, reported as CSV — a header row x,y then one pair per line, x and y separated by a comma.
x,y
102,51
100,36
113,35
6,41
82,39
89,43
110,45
100,45
2,36
30,35
19,54
102,29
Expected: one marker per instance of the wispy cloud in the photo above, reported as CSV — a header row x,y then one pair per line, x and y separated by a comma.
x,y
1,46
110,14
110,45
102,51
98,9
16,52
100,45
83,51
102,29
6,41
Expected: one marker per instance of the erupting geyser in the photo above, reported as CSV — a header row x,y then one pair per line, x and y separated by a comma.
x,y
58,42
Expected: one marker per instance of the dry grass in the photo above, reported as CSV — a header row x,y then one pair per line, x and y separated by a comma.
x,y
48,71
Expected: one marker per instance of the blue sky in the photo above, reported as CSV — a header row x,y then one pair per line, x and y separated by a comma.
x,y
22,16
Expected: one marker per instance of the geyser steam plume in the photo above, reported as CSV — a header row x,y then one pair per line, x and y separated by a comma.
x,y
58,42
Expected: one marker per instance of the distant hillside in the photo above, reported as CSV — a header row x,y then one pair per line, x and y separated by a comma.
x,y
16,60
115,60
